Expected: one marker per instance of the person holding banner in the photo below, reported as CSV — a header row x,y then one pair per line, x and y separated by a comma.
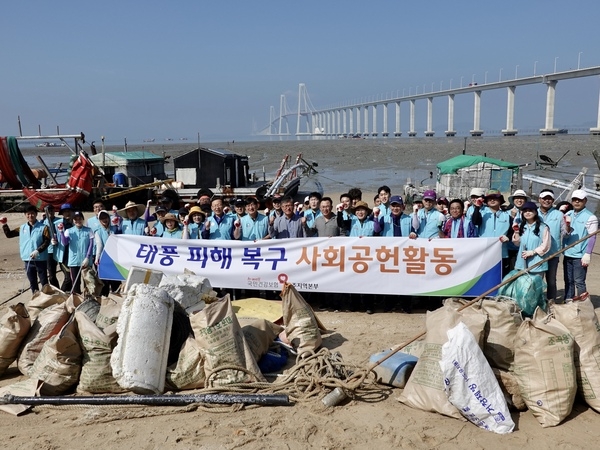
x,y
532,237
310,215
218,225
457,226
396,223
358,224
325,225
253,225
289,224
196,219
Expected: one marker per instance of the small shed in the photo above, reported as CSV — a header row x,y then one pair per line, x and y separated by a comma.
x,y
208,168
138,167
457,176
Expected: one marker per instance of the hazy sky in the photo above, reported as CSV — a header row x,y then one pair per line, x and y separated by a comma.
x,y
149,69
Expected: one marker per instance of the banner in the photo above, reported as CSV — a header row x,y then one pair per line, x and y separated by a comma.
x,y
367,265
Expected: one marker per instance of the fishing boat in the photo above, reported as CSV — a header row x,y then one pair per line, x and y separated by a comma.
x,y
223,173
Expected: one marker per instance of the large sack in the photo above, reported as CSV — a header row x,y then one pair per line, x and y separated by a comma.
x,y
527,290
92,284
47,296
544,368
110,308
59,363
504,319
14,326
300,322
415,348
580,319
188,371
187,289
139,360
219,335
510,388
470,383
97,345
259,334
425,387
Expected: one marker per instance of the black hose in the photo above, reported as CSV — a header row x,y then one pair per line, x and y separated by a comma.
x,y
151,400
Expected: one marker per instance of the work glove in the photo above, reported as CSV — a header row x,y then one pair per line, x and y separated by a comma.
x,y
148,203
415,208
34,254
515,227
153,231
479,202
3,220
503,238
226,210
586,259
115,220
54,241
237,223
266,211
207,225
60,227
376,211
340,207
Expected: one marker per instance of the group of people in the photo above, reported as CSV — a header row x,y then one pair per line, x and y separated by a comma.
x,y
529,232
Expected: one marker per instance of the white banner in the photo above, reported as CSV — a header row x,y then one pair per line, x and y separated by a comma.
x,y
369,265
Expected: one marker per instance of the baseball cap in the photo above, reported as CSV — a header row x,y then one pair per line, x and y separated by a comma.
x,y
529,205
160,209
429,194
546,193
477,192
239,202
64,207
579,193
77,214
396,199
306,199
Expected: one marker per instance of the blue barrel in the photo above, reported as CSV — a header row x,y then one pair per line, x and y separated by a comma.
x,y
119,179
395,370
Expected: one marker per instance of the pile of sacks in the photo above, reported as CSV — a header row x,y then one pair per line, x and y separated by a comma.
x,y
175,335
469,358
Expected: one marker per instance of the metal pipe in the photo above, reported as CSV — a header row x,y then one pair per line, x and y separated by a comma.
x,y
151,400
56,136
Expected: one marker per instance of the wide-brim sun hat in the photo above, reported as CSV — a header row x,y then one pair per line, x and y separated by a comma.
x,y
518,193
364,205
494,193
130,204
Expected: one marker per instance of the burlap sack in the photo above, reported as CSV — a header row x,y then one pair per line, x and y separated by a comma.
x,y
47,296
96,345
510,388
414,348
300,322
219,335
425,387
504,319
48,323
14,326
92,284
544,368
259,334
59,363
188,372
581,321
110,308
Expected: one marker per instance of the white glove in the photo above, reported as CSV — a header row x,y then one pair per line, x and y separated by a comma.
x,y
148,203
226,210
376,211
586,259
339,207
34,254
53,241
266,211
207,225
415,208
503,238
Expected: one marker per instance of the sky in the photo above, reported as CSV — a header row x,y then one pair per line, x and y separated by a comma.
x,y
149,69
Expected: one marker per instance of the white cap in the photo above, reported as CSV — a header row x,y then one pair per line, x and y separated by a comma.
x,y
306,199
546,193
478,192
579,193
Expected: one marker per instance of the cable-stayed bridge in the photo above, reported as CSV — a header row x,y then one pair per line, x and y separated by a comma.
x,y
361,118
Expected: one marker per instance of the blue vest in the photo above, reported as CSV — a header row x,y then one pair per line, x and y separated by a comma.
x,y
60,250
578,221
30,238
388,225
429,223
529,241
495,225
366,228
79,242
93,223
177,233
136,227
254,229
554,219
223,230
385,210
310,216
194,230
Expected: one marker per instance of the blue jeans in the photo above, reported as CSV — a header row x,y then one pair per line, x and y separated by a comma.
x,y
574,274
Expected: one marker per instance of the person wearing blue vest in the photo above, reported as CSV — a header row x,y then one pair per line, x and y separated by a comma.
x,y
384,194
581,222
80,240
172,229
195,220
34,239
158,217
52,264
427,222
396,223
457,226
308,216
554,218
218,225
494,222
359,224
101,235
253,226
132,222
93,221
532,238
60,251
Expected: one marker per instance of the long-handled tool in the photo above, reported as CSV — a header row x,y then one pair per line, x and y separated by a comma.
x,y
399,347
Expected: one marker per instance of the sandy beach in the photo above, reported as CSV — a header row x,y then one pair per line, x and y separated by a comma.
x,y
366,422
